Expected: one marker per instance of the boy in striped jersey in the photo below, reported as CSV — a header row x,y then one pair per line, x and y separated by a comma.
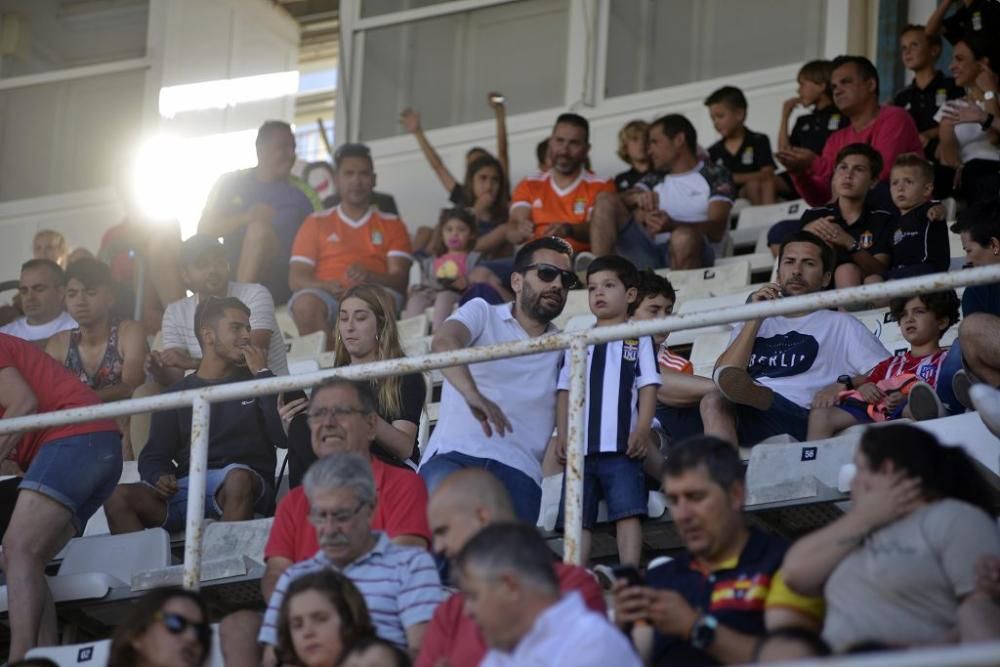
x,y
902,385
622,378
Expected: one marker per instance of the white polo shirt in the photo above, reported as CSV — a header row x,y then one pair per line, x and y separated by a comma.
x,y
524,388
178,323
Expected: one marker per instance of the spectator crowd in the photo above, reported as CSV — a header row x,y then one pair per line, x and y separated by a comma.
x,y
383,552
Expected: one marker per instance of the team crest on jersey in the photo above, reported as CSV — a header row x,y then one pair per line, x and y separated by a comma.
x,y
926,372
630,349
376,237
747,157
977,21
941,96
867,240
537,203
834,122
579,206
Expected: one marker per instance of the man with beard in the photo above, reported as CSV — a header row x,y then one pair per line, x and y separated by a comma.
x,y
244,432
776,369
351,244
498,415
259,210
559,201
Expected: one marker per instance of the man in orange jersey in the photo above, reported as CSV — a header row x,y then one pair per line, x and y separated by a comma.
x,y
348,245
559,201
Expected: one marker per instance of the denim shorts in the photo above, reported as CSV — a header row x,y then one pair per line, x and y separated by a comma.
x,y
80,472
753,425
177,505
636,245
615,478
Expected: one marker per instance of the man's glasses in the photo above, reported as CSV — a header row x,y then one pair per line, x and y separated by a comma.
x,y
340,412
547,273
319,518
177,624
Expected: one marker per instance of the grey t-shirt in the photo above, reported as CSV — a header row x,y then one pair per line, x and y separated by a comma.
x,y
905,583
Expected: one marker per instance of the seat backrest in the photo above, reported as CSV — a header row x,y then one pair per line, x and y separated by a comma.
x,y
285,323
776,465
577,303
225,539
711,280
413,327
767,215
91,654
581,322
120,556
706,350
306,347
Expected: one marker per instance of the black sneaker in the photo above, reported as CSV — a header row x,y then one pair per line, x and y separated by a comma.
x,y
738,387
924,402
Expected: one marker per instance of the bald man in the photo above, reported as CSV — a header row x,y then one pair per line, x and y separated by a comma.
x,y
462,505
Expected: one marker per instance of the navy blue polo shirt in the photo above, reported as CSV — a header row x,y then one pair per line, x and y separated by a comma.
x,y
736,595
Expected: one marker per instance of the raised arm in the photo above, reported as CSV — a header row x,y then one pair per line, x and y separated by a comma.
x,y
936,19
496,102
739,350
411,121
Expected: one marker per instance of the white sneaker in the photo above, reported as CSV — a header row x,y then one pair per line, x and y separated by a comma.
x,y
986,400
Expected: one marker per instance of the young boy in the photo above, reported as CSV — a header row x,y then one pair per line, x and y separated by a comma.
x,y
882,393
746,154
811,130
920,235
861,236
621,399
680,389
633,149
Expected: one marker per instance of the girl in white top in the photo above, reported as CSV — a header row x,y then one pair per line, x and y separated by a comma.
x,y
969,126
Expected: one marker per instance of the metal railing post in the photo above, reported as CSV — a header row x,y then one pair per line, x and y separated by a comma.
x,y
200,417
577,424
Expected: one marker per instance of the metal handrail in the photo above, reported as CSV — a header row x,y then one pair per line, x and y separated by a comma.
x,y
201,398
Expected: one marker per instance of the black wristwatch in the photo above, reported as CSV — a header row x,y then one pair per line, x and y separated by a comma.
x,y
703,631
846,381
988,123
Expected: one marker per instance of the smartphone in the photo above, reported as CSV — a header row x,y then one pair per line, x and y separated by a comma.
x,y
629,573
295,395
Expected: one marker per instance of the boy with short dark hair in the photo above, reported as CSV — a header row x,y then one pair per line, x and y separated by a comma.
x,y
811,129
901,385
920,235
621,400
860,235
680,389
745,153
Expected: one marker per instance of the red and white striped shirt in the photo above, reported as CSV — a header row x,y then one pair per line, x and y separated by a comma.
x,y
927,367
674,362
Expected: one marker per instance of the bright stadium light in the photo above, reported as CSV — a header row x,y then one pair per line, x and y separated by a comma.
x,y
171,176
223,93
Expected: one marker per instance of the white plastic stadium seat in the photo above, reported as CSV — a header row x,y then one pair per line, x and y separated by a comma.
x,y
754,218
92,566
581,322
285,323
577,303
795,471
706,350
306,347
710,281
413,327
91,654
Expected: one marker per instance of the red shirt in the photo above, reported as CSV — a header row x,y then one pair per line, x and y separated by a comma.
x,y
55,388
926,368
453,636
401,510
891,133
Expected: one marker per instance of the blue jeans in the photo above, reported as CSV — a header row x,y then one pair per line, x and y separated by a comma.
x,y
952,364
80,472
636,245
524,493
753,425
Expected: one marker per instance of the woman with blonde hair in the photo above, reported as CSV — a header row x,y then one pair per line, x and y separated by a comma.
x,y
366,332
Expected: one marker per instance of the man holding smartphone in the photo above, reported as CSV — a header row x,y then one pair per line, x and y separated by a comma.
x,y
712,604
777,368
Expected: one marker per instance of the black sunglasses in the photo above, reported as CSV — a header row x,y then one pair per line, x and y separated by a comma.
x,y
177,624
547,273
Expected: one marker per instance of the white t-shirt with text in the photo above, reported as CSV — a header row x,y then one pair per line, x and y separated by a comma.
x,y
798,356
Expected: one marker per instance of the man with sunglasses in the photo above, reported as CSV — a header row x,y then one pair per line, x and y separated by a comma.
x,y
498,415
